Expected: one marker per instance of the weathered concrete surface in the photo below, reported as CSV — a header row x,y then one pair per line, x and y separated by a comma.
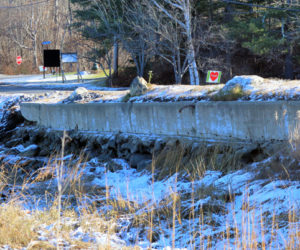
x,y
257,121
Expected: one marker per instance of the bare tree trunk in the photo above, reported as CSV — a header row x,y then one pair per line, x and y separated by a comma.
x,y
210,12
228,15
177,68
55,7
55,21
116,57
194,75
35,56
70,18
185,7
62,41
289,69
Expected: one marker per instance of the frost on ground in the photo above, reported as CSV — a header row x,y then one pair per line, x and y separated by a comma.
x,y
252,207
50,82
242,88
108,203
128,208
245,88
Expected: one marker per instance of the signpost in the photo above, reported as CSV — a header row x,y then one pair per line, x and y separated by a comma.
x,y
45,43
19,60
213,76
51,58
42,68
70,58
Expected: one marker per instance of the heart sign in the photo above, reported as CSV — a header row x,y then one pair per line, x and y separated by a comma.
x,y
213,76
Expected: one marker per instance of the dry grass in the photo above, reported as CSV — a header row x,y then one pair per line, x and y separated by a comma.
x,y
180,158
176,214
16,226
231,95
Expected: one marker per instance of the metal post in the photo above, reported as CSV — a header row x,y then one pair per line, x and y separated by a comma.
x,y
44,69
78,73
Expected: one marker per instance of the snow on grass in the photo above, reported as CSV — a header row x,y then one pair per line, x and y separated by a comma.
x,y
263,200
216,222
176,92
259,211
254,88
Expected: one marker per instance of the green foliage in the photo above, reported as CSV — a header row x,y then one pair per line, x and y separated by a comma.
x,y
219,28
263,43
254,35
264,31
97,26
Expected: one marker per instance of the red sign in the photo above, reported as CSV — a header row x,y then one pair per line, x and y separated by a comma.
x,y
19,60
214,75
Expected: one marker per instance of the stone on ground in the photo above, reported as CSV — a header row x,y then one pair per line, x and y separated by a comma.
x,y
81,94
244,82
79,91
138,86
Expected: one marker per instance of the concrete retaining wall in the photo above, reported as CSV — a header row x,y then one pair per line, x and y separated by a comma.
x,y
257,121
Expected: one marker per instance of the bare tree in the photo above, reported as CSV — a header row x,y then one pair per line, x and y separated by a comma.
x,y
27,23
23,29
136,34
185,21
167,39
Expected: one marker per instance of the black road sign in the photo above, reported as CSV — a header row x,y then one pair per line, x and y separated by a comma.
x,y
51,58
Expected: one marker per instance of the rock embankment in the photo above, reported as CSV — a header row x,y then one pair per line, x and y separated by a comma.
x,y
139,151
25,140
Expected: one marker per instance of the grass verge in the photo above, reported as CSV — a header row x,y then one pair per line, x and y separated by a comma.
x,y
233,94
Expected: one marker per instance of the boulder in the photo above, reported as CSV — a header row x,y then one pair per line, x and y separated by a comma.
x,y
244,82
14,142
138,86
81,95
159,145
136,159
144,164
116,164
30,151
79,91
247,153
111,144
11,119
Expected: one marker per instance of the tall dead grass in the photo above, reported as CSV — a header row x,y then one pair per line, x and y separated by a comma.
x,y
175,218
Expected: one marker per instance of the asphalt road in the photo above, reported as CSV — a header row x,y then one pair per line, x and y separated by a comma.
x,y
12,84
14,89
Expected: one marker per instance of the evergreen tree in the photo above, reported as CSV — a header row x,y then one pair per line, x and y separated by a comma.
x,y
267,31
118,21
